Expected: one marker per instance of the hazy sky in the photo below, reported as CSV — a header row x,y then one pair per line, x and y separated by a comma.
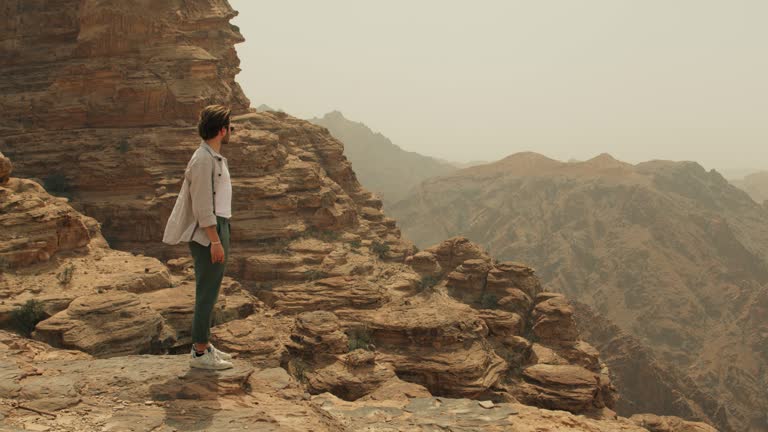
x,y
643,79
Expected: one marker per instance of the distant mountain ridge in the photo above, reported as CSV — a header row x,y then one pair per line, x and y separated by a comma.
x,y
673,254
383,167
756,185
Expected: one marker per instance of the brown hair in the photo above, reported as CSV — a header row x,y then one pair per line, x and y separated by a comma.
x,y
212,119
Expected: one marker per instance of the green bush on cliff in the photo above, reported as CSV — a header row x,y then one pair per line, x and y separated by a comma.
x,y
428,282
380,249
359,338
25,317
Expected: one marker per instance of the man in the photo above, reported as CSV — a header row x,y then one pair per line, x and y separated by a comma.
x,y
201,217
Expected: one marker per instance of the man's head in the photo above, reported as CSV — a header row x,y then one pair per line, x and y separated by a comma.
x,y
214,123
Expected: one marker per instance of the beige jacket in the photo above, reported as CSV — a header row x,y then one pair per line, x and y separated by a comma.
x,y
194,206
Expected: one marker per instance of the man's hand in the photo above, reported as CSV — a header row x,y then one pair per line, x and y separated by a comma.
x,y
217,253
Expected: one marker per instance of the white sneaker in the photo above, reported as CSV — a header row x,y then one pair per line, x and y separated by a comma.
x,y
221,354
209,360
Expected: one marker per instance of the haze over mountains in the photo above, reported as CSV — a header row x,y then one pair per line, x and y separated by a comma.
x,y
335,321
668,251
382,166
755,184
652,247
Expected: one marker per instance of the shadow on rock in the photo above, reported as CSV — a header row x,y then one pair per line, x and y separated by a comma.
x,y
192,399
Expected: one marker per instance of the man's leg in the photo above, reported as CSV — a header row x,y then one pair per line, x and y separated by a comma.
x,y
208,277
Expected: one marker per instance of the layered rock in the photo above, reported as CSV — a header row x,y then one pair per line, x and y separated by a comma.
x,y
6,168
341,311
85,295
671,253
161,393
144,393
35,226
428,414
121,111
96,64
645,383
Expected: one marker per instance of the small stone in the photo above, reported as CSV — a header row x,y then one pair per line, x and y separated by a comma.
x,y
149,402
486,404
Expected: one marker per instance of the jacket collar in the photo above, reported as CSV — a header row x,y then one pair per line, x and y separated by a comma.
x,y
210,150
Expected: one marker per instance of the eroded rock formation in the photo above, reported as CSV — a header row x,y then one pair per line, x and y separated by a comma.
x,y
670,252
324,308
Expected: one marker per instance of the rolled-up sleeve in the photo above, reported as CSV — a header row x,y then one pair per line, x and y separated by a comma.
x,y
199,174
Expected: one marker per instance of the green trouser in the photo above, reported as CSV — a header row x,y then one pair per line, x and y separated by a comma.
x,y
208,278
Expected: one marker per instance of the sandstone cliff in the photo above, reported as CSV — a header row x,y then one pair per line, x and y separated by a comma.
x,y
378,336
329,312
669,252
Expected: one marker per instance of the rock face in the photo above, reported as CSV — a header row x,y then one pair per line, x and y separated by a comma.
x,y
147,393
122,113
383,167
320,301
672,254
35,225
5,169
92,298
142,392
644,383
96,64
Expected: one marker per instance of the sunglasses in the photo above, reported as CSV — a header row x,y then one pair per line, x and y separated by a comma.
x,y
231,128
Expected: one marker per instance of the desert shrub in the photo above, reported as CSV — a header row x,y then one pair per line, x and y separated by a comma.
x,y
355,244
315,274
298,368
327,236
65,276
359,338
25,317
380,249
489,301
428,282
123,147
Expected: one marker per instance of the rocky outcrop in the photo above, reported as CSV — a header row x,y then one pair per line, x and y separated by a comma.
x,y
6,168
144,393
259,338
118,91
52,254
34,226
96,64
656,423
427,414
645,383
64,285
162,393
318,282
111,324
631,241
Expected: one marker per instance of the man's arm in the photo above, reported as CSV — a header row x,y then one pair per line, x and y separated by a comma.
x,y
201,190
